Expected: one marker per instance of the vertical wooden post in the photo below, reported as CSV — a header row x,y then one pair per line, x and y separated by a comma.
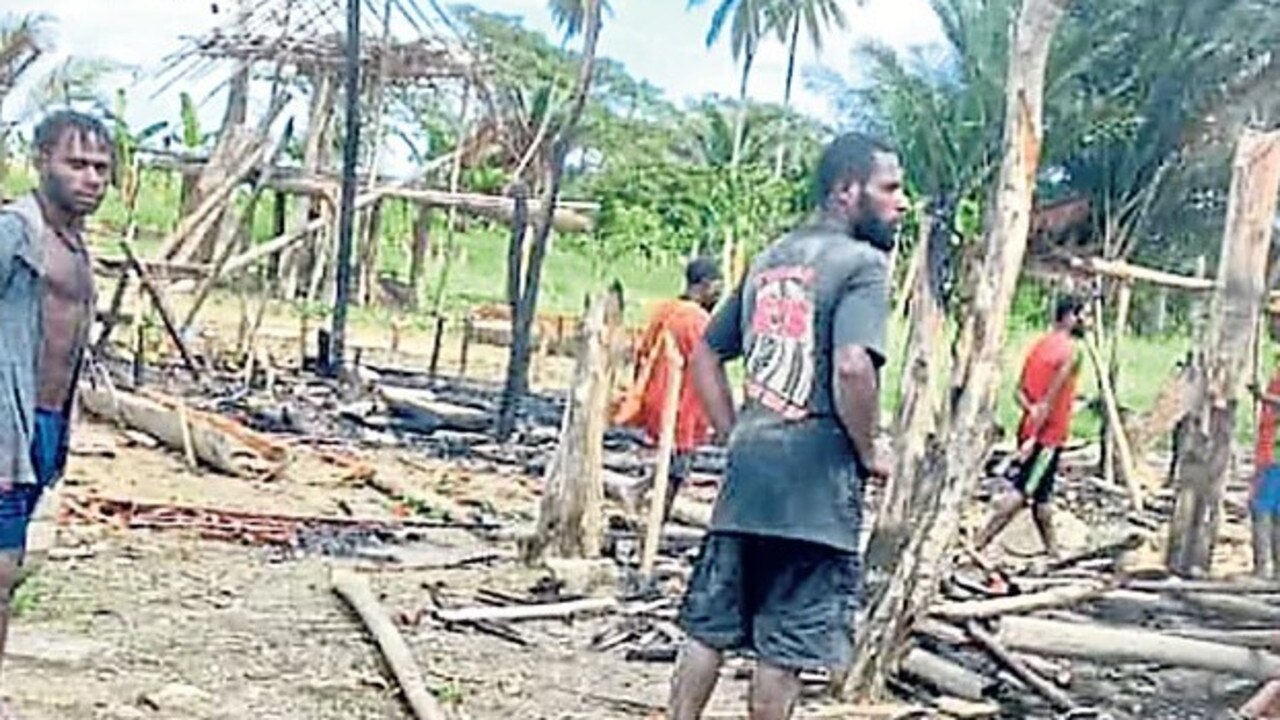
x,y
925,558
437,339
519,275
570,519
467,329
666,444
1206,463
921,390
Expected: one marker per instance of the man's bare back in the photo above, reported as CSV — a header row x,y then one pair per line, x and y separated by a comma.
x,y
68,295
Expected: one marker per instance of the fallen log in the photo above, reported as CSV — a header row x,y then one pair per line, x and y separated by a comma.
x,y
1053,694
238,451
1120,644
1223,587
1260,639
423,409
879,711
994,607
355,591
1234,607
528,612
947,676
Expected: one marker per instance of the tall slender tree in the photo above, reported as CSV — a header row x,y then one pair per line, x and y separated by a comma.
x,y
791,18
524,294
748,22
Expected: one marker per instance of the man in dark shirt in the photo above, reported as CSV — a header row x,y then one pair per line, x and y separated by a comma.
x,y
778,572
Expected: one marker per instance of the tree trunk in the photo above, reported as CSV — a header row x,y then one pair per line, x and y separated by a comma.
x,y
517,383
740,122
921,393
570,519
515,281
1233,321
925,560
792,46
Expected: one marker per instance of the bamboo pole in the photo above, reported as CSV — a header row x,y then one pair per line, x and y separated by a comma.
x,y
1128,466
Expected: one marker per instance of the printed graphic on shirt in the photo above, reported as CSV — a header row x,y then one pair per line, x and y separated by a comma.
x,y
780,361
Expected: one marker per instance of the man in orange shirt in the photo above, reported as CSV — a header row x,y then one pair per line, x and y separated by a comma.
x,y
685,318
1046,393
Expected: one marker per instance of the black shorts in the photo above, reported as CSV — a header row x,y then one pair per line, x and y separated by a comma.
x,y
1034,476
790,602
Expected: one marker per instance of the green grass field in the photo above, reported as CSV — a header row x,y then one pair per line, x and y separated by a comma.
x,y
572,271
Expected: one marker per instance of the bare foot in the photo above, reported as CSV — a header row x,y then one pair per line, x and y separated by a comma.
x,y
7,712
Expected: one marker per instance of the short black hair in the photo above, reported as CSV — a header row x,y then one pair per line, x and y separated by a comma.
x,y
850,157
700,270
60,122
1067,305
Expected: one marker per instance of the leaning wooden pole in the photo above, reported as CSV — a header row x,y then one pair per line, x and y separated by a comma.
x,y
925,558
1205,461
666,443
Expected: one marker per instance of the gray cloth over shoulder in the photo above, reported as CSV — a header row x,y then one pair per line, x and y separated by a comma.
x,y
21,310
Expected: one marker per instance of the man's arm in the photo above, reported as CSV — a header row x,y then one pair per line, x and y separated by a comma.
x,y
858,340
721,342
712,385
857,396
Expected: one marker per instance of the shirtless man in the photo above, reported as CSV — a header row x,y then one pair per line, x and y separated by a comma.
x,y
46,309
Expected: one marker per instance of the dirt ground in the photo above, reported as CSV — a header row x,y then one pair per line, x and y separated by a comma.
x,y
114,617
131,624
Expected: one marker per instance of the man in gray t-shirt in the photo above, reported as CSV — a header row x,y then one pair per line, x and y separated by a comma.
x,y
778,573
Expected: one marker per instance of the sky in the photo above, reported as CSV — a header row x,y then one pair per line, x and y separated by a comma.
x,y
657,40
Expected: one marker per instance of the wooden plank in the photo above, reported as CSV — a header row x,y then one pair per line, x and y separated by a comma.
x,y
666,444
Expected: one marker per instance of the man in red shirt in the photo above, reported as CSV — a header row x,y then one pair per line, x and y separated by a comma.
x,y
1046,393
685,319
1264,493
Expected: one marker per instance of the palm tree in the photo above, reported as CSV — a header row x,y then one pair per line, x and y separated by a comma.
x,y
77,79
22,40
574,16
570,15
788,18
748,20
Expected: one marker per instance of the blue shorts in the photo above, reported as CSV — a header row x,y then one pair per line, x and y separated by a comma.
x,y
1266,498
18,502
